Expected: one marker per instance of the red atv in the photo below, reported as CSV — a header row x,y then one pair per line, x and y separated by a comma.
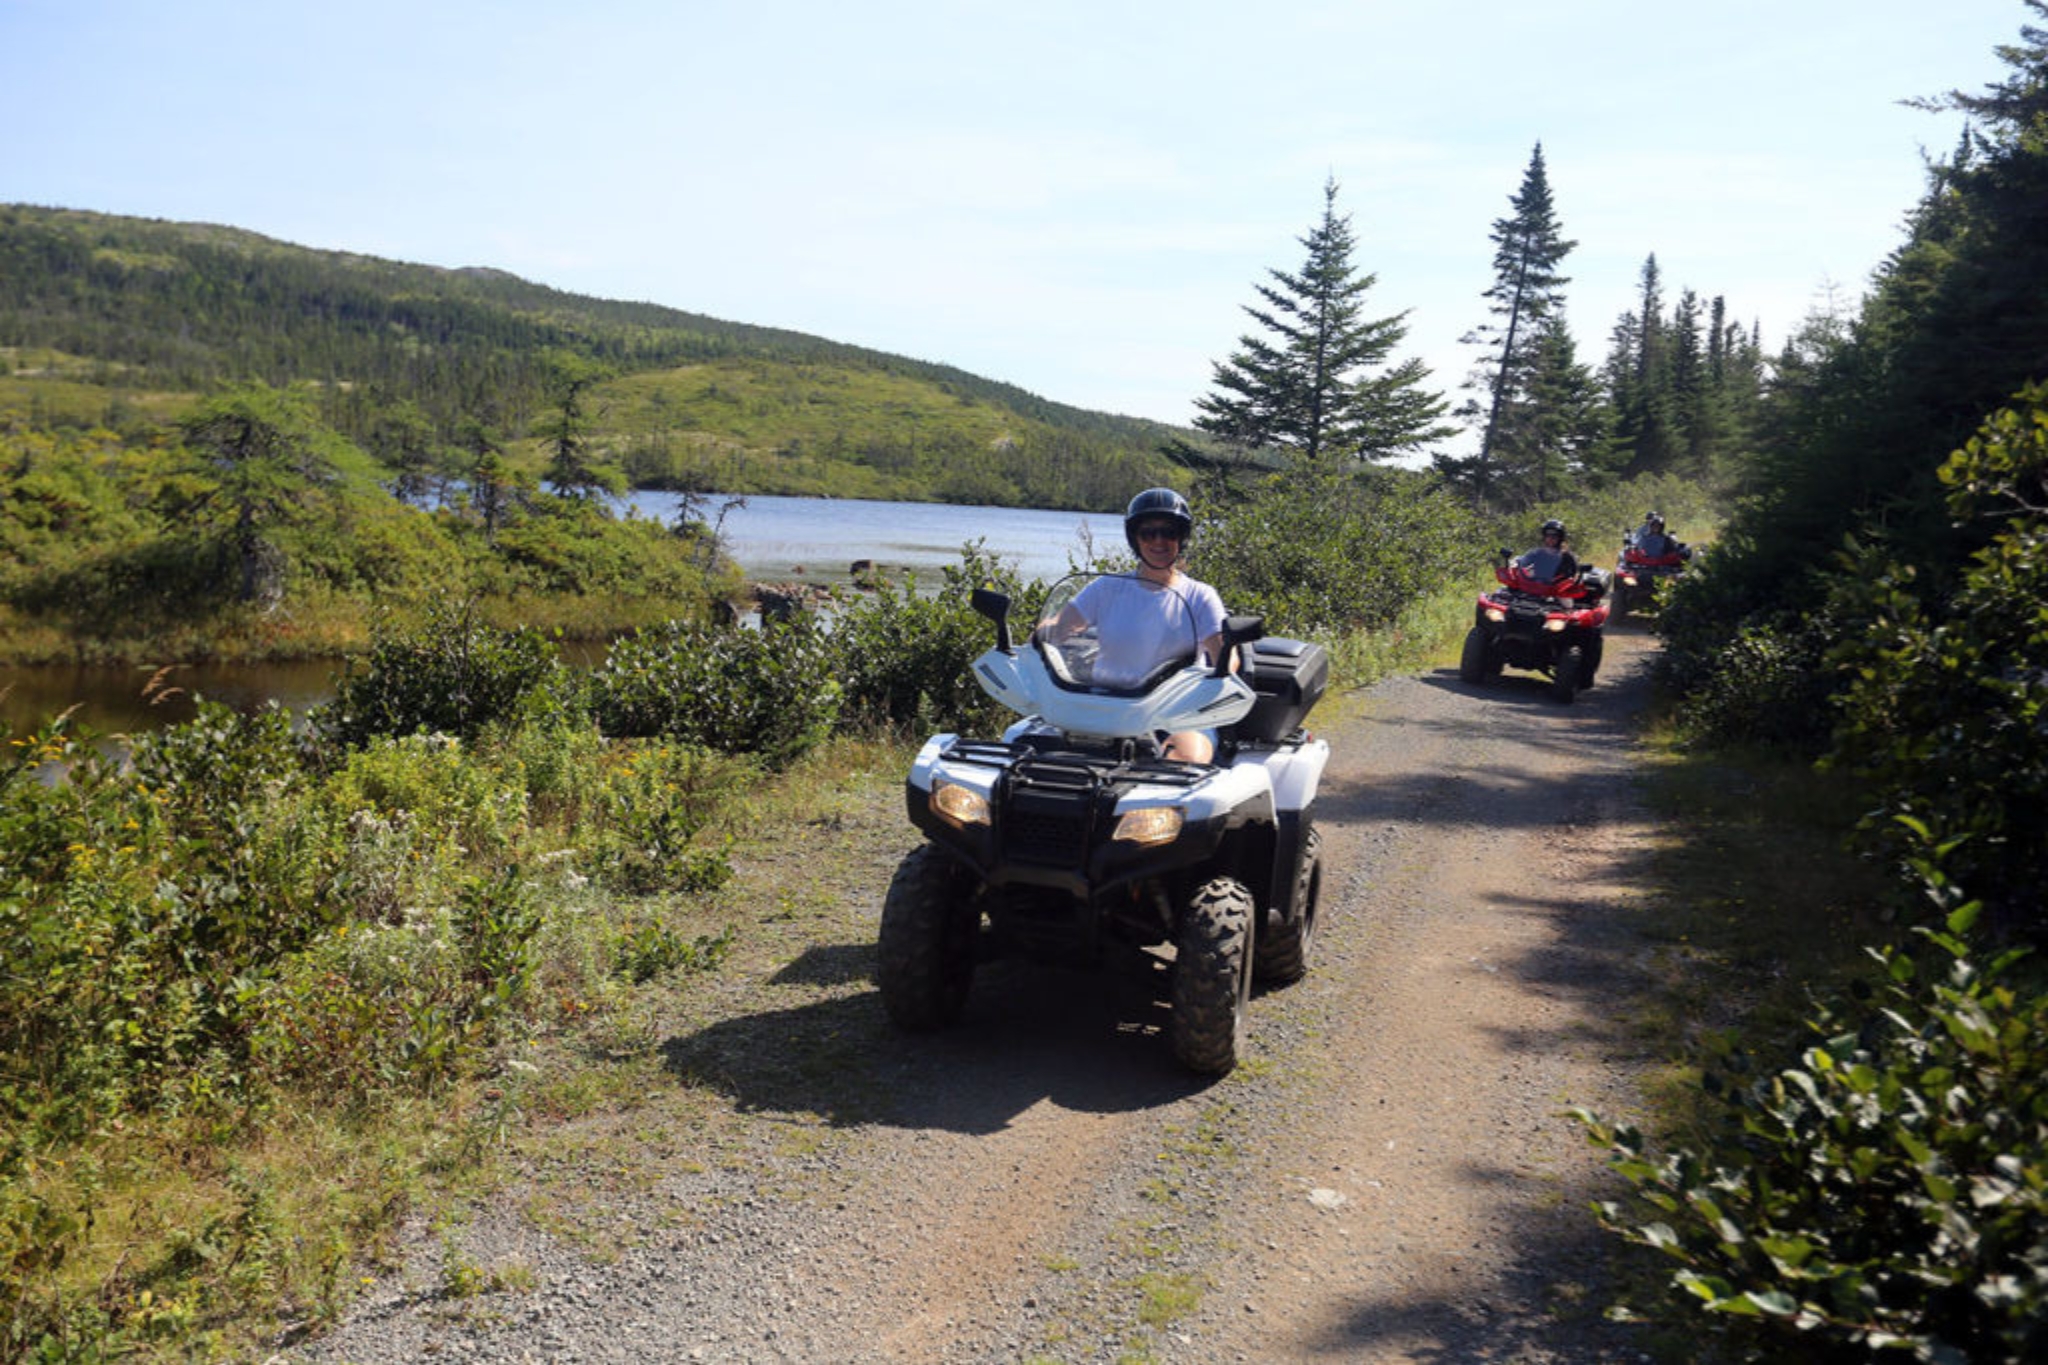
x,y
1637,573
1549,626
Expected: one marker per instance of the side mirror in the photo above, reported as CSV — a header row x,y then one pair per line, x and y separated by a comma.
x,y
1238,630
996,607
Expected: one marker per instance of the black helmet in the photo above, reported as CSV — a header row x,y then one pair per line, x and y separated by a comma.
x,y
1654,521
1154,504
1553,525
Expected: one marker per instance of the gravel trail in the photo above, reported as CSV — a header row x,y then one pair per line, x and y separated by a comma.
x,y
1388,1178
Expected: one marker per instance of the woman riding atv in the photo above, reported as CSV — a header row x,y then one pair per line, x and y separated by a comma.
x,y
1143,621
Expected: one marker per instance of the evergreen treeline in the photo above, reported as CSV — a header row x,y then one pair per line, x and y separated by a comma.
x,y
1681,392
1319,382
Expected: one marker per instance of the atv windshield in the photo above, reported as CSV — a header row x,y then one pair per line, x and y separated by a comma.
x,y
1117,632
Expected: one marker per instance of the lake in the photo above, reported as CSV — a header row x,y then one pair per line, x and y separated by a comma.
x,y
776,539
818,539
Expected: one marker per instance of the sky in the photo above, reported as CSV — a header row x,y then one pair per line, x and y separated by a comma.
x,y
1077,197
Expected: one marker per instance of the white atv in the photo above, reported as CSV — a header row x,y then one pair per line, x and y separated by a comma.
x,y
1075,840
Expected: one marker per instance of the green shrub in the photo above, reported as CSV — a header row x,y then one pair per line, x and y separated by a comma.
x,y
496,919
1888,1194
215,763
139,901
213,930
558,760
648,948
905,660
1766,686
339,1019
432,795
451,675
653,802
769,692
1321,552
1944,697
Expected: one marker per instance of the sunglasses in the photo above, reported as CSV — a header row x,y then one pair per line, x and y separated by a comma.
x,y
1158,531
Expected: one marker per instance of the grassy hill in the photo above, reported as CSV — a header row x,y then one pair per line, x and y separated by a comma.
x,y
117,322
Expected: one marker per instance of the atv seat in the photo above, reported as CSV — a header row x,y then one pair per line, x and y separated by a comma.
x,y
1289,677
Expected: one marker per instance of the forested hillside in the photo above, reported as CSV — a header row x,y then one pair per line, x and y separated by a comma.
x,y
217,445
102,316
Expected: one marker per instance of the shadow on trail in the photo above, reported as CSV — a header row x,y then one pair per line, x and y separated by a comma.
x,y
1598,959
1531,691
1561,1271
1499,793
1088,1041
1510,688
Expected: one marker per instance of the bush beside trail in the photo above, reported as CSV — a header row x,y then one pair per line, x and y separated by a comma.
x,y
1882,1192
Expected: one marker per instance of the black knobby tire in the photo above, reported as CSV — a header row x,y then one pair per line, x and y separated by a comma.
x,y
1618,607
1571,665
925,956
1472,661
1281,952
1212,977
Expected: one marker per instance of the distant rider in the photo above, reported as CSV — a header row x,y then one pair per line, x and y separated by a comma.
x,y
1651,540
1144,620
1550,561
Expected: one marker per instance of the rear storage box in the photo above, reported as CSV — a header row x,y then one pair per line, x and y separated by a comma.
x,y
1289,677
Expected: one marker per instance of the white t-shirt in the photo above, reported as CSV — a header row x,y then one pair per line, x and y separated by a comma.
x,y
1140,624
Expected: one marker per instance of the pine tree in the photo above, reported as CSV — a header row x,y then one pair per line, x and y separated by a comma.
x,y
1720,424
1311,384
1639,378
1526,298
1566,414
574,469
269,463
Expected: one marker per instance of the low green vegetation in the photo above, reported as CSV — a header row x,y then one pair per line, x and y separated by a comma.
x,y
252,945
268,985
246,944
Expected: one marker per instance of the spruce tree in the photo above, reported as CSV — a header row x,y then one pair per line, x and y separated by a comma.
x,y
1639,377
1315,380
1526,299
263,463
574,468
1566,417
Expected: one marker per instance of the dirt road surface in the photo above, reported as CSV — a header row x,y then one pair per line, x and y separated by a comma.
x,y
1390,1176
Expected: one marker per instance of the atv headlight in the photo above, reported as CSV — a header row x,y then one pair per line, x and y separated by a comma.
x,y
958,805
1555,623
1151,825
1496,615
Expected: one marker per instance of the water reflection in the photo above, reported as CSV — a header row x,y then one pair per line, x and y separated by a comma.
x,y
119,699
